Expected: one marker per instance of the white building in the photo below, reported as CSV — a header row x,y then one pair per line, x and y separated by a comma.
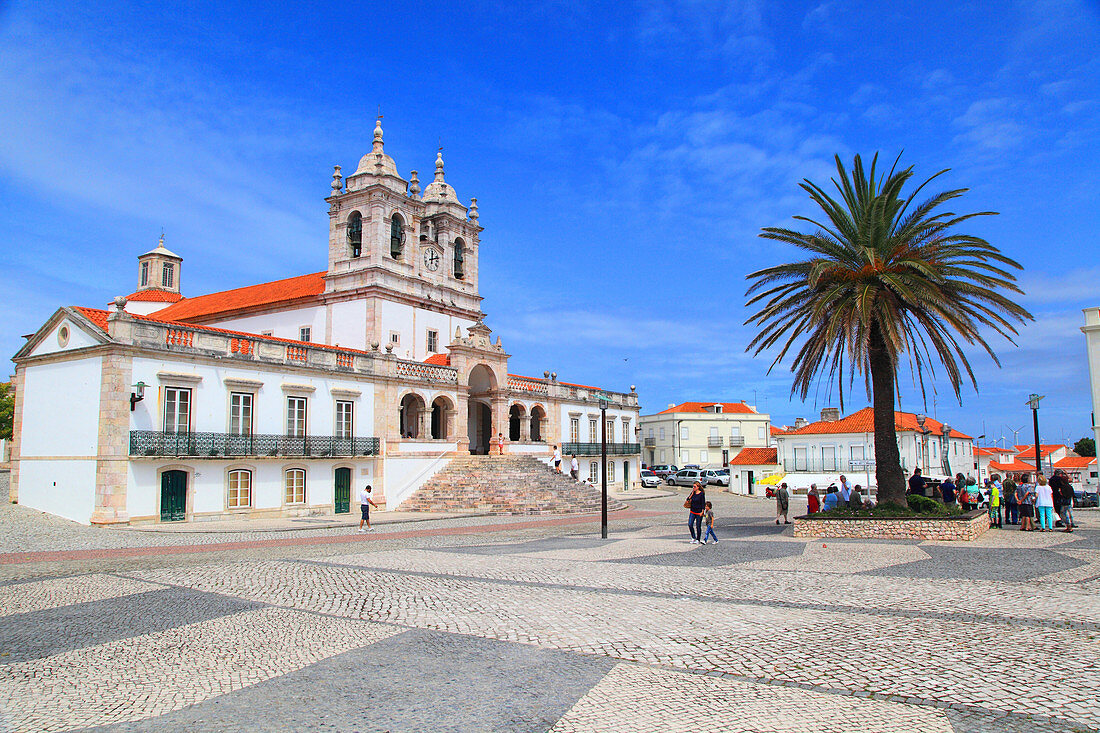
x,y
835,445
1091,330
702,433
279,398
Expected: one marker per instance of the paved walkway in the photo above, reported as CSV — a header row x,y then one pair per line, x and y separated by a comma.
x,y
538,624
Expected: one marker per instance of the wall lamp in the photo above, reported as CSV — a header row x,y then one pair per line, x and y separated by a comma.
x,y
138,395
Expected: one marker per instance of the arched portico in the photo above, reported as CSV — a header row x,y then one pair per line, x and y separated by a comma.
x,y
413,416
538,421
517,414
442,418
483,395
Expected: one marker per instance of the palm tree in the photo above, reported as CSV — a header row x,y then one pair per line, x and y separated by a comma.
x,y
887,280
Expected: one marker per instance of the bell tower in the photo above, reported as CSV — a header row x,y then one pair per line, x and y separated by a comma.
x,y
159,269
389,241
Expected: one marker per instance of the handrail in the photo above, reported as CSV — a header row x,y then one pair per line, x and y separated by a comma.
x,y
152,443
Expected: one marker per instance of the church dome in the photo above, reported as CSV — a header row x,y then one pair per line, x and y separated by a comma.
x,y
439,191
376,162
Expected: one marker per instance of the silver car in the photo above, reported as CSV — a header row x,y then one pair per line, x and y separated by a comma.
x,y
720,477
649,479
687,477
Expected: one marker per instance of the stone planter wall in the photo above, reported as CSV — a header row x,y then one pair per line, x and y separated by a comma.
x,y
966,527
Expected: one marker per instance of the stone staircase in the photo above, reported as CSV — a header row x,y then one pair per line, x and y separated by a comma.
x,y
508,484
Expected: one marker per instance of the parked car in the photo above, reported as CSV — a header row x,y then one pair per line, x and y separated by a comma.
x,y
649,479
665,470
1084,498
694,466
686,477
713,476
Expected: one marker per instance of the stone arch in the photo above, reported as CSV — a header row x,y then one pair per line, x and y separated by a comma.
x,y
517,413
482,380
354,233
442,412
459,258
397,235
412,414
538,420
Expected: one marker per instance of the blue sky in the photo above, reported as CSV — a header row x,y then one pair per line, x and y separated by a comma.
x,y
624,157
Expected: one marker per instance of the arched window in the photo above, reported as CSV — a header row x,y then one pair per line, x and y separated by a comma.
x,y
460,259
295,486
355,234
397,236
240,489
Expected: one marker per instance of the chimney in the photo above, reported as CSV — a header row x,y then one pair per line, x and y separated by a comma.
x,y
830,414
800,422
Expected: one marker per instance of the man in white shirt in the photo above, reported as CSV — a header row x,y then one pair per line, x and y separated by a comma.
x,y
845,489
557,459
574,468
365,503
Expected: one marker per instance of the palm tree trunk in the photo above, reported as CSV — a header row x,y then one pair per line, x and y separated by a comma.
x,y
888,474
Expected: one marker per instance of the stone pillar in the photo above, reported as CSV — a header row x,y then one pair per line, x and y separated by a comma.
x,y
424,424
500,419
462,423
113,456
525,428
17,423
449,424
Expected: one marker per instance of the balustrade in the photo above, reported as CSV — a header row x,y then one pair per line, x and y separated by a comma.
x,y
150,443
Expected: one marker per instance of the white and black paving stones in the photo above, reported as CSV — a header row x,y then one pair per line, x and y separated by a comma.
x,y
549,628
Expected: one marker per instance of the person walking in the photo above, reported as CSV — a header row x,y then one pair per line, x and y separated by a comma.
x,y
1044,504
1025,497
813,503
1063,498
782,503
696,504
574,467
557,459
708,517
365,503
1008,496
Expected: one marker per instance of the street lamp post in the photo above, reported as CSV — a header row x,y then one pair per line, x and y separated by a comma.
x,y
922,458
1033,403
603,468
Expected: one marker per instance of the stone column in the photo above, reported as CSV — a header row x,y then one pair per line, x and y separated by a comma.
x,y
113,456
449,424
424,424
500,419
525,428
17,423
462,423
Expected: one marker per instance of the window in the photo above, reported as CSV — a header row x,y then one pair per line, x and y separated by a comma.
x,y
460,259
592,435
800,462
610,471
662,432
344,418
144,274
828,458
685,456
650,435
594,471
611,430
240,489
735,431
856,452
167,276
626,430
304,333
395,338
296,417
240,413
295,486
433,341
714,432
704,457
267,333
683,432
177,410
355,234
662,459
397,236
762,433
574,430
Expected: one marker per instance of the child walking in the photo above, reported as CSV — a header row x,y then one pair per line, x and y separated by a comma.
x,y
709,516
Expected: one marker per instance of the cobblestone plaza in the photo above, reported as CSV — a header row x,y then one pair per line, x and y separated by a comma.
x,y
537,624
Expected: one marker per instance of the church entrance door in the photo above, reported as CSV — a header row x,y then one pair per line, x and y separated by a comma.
x,y
173,496
480,419
342,491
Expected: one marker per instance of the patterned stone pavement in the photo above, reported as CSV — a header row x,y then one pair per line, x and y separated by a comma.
x,y
547,627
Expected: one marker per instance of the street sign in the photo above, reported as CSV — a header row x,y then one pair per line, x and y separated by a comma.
x,y
861,463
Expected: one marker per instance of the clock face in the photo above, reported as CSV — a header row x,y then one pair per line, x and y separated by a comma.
x,y
431,259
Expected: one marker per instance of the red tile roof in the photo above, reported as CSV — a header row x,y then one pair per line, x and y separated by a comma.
x,y
734,407
1014,467
863,421
1028,451
439,359
993,451
99,318
1075,462
756,457
155,296
302,287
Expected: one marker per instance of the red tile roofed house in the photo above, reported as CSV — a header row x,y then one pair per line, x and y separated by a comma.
x,y
703,433
1049,453
749,466
991,454
1080,469
845,444
1008,467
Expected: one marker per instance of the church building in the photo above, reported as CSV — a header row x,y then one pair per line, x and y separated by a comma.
x,y
285,398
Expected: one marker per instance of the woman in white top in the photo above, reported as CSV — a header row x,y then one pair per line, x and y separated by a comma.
x,y
1044,504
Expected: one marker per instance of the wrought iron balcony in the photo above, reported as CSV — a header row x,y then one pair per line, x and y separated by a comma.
x,y
593,449
226,445
714,441
737,441
650,442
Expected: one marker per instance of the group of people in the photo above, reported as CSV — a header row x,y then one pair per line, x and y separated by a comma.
x,y
842,495
700,511
1024,502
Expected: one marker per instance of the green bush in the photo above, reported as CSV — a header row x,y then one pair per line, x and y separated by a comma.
x,y
919,506
924,505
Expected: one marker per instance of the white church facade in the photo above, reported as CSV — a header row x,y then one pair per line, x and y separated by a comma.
x,y
286,397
